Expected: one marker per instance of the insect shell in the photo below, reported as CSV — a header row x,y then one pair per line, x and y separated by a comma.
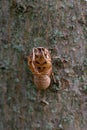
x,y
40,65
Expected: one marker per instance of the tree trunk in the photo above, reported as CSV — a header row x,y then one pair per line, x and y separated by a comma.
x,y
61,27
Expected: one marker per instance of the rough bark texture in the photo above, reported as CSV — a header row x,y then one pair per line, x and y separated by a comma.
x,y
60,26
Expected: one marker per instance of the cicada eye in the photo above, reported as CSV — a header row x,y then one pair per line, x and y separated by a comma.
x,y
37,62
44,67
45,63
39,68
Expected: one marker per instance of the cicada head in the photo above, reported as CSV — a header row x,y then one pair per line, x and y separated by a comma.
x,y
40,61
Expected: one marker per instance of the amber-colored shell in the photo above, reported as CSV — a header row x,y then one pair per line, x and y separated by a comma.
x,y
42,81
40,65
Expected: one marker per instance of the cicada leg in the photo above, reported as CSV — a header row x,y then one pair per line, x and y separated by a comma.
x,y
53,77
33,66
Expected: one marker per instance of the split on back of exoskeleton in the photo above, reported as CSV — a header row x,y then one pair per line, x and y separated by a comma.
x,y
40,65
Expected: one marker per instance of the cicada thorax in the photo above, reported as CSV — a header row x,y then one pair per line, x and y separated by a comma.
x,y
40,65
